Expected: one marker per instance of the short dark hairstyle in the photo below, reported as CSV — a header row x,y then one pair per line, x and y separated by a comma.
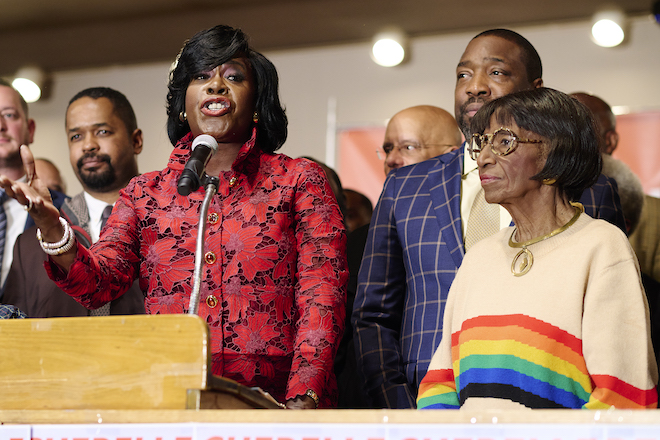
x,y
120,103
531,58
210,48
20,97
574,158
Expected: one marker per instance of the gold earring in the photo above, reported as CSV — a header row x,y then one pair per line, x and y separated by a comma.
x,y
255,117
549,181
183,116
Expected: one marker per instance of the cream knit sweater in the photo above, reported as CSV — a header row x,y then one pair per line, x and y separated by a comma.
x,y
571,333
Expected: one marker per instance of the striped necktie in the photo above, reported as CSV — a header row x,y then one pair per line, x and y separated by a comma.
x,y
104,310
3,224
105,216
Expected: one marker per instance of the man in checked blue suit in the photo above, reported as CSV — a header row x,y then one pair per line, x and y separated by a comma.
x,y
416,237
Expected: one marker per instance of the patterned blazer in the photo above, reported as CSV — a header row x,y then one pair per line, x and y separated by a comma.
x,y
414,248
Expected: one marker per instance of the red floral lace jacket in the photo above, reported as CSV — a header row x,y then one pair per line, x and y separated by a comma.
x,y
274,265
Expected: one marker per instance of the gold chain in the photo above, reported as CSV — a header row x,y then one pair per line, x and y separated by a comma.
x,y
526,254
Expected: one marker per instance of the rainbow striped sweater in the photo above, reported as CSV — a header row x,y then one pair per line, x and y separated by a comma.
x,y
572,333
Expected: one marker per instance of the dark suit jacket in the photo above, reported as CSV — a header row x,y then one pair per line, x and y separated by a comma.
x,y
58,199
29,288
414,248
349,379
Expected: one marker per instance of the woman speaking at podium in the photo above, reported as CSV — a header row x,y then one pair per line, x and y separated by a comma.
x,y
273,282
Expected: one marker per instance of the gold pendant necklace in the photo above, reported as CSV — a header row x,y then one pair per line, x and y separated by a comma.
x,y
525,255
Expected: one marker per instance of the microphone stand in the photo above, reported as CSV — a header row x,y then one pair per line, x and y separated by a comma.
x,y
211,186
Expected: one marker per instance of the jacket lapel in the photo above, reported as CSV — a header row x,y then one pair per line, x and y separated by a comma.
x,y
445,190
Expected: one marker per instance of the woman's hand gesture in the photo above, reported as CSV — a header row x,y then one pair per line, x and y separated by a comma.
x,y
35,197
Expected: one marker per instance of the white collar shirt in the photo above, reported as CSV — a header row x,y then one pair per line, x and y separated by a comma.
x,y
95,208
16,218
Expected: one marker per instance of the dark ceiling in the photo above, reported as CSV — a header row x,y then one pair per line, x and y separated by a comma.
x,y
73,34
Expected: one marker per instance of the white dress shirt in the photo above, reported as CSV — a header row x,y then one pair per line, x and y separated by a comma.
x,y
95,208
16,218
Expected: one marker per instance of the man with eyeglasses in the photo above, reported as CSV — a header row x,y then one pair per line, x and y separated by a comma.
x,y
421,224
418,133
413,135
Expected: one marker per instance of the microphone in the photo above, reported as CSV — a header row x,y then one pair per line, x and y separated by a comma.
x,y
203,148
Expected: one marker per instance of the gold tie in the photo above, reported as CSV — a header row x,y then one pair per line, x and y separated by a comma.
x,y
484,220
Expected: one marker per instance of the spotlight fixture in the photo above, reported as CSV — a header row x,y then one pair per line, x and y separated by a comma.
x,y
608,26
29,82
389,48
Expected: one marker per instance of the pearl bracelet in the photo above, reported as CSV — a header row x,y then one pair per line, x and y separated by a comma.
x,y
62,246
60,243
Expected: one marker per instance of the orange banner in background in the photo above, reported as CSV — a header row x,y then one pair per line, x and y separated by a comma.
x,y
639,147
359,168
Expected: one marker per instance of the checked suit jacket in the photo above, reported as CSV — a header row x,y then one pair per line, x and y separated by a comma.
x,y
414,248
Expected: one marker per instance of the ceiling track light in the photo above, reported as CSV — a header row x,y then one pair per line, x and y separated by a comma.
x,y
390,47
608,26
30,81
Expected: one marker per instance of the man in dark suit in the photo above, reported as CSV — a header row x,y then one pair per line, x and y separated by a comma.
x,y
104,142
16,129
416,239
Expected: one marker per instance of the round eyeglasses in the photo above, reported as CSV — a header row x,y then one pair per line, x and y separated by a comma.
x,y
503,141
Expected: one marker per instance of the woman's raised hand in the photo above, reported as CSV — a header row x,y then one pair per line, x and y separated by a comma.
x,y
35,197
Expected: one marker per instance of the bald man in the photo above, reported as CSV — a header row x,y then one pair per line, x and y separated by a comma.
x,y
419,133
413,135
604,117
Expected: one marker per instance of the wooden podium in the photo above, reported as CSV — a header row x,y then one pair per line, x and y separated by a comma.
x,y
115,362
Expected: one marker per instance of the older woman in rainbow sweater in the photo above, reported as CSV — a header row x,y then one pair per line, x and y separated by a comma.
x,y
549,313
